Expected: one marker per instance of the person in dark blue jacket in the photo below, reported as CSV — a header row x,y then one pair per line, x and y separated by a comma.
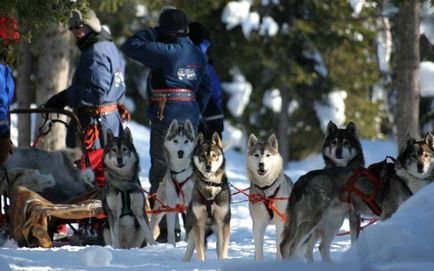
x,y
7,89
97,86
98,82
179,85
212,117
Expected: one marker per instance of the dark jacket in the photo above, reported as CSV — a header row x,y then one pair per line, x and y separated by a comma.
x,y
175,65
213,110
98,80
7,88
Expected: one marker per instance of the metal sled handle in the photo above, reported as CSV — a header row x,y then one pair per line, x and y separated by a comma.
x,y
68,113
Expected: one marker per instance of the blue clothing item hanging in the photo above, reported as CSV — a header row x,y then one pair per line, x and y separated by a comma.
x,y
7,89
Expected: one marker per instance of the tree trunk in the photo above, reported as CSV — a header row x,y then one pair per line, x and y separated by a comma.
x,y
52,77
283,127
24,90
407,71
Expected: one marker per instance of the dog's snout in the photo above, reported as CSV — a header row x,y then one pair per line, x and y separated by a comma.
x,y
119,160
180,154
261,165
419,166
338,152
208,167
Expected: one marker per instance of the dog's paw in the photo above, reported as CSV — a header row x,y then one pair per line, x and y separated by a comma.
x,y
88,177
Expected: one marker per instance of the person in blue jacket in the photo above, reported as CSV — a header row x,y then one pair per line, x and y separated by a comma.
x,y
212,117
179,85
7,89
98,82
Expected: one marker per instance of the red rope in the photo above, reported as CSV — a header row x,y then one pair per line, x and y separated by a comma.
x,y
38,139
91,136
179,208
269,202
371,221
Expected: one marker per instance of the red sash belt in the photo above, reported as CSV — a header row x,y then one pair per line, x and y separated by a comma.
x,y
162,96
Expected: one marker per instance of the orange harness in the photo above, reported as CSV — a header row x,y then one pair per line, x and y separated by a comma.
x,y
269,202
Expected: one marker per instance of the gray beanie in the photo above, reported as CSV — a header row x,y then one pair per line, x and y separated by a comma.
x,y
88,19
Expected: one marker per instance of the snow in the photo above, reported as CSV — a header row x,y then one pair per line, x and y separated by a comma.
x,y
427,79
239,90
333,109
269,27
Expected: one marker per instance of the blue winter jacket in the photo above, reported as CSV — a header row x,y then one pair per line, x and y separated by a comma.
x,y
169,64
7,88
98,80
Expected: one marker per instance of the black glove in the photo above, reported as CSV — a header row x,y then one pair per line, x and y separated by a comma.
x,y
58,101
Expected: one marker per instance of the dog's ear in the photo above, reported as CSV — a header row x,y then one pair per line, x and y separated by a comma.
x,y
351,127
109,135
188,128
216,140
252,141
410,140
173,126
199,139
272,140
429,140
127,134
331,128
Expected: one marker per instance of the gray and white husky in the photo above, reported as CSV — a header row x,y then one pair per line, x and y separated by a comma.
x,y
270,186
123,198
341,148
177,184
323,197
209,208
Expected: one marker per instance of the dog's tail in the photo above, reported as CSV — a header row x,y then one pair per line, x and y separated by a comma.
x,y
290,223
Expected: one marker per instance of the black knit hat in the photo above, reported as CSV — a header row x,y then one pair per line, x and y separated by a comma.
x,y
198,33
173,21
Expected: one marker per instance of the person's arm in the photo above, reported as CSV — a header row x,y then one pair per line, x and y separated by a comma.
x,y
205,91
144,47
95,82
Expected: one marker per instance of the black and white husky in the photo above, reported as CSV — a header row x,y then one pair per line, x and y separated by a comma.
x,y
209,208
123,198
177,185
270,186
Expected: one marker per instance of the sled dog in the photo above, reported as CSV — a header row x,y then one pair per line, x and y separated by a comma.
x,y
123,198
270,186
341,148
177,185
70,181
209,208
323,197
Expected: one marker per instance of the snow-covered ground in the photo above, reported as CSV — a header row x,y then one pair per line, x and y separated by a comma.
x,y
402,243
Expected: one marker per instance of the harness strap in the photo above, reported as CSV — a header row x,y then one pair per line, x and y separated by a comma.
x,y
178,186
368,199
126,204
208,203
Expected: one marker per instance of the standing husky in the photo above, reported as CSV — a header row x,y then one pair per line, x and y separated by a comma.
x,y
268,182
323,197
211,199
341,148
123,198
177,185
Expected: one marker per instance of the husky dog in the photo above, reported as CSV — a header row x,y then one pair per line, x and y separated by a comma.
x,y
123,198
268,182
177,185
210,203
70,181
323,197
341,148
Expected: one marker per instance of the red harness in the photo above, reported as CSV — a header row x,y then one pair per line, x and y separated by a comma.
x,y
350,186
178,186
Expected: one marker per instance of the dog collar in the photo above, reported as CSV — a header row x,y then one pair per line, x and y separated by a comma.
x,y
213,184
263,188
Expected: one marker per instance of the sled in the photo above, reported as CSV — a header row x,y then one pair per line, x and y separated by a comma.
x,y
31,219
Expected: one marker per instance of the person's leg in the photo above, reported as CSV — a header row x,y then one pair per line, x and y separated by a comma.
x,y
212,126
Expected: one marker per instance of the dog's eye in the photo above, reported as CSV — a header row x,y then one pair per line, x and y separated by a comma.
x,y
185,142
176,141
124,149
334,141
427,155
268,155
113,150
346,142
256,155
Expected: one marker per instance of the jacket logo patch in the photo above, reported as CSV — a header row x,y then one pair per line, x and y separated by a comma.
x,y
119,80
187,73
